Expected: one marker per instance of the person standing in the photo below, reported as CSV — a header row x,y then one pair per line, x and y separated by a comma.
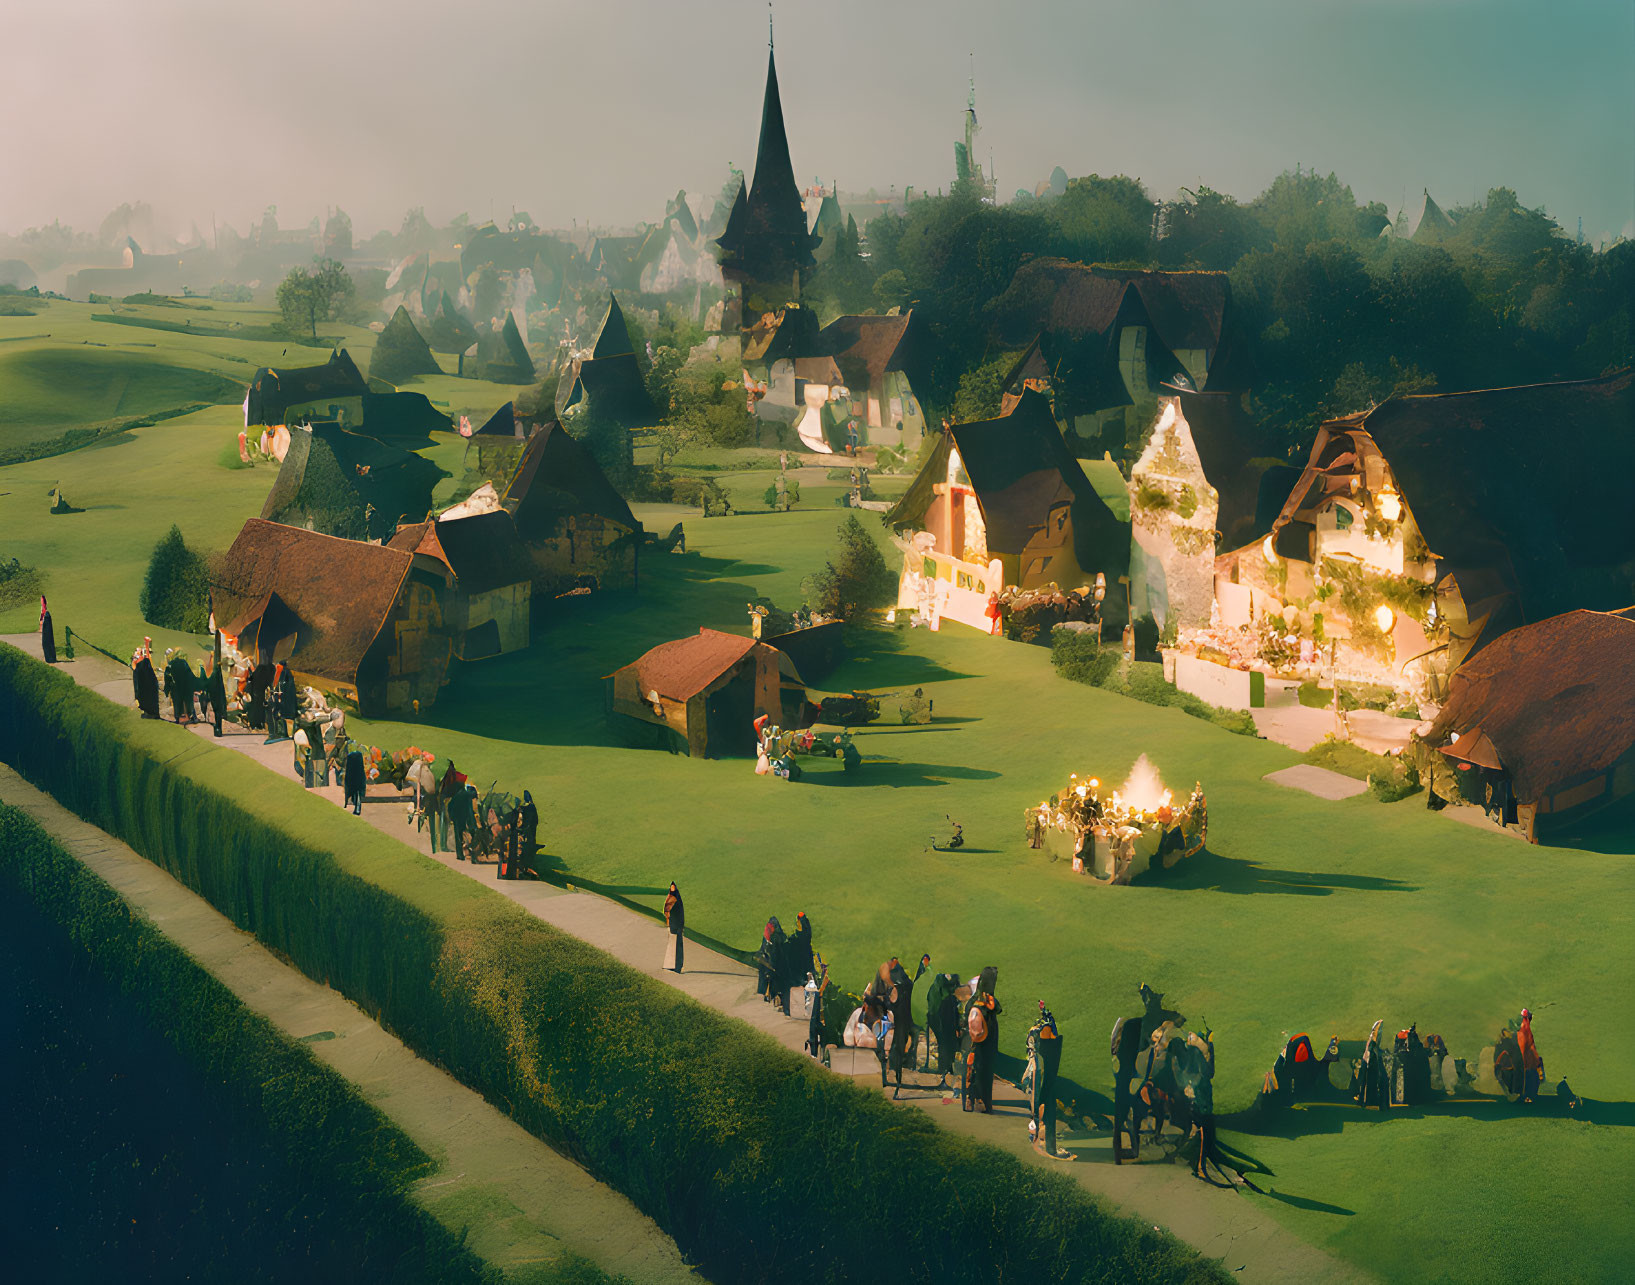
x,y
462,817
354,781
1045,1045
215,693
675,922
800,951
179,686
48,634
942,1021
529,821
1126,1050
442,804
146,685
981,1042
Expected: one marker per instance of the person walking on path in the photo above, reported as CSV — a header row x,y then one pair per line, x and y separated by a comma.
x,y
981,1042
283,705
442,804
462,817
48,634
1045,1050
942,1020
179,686
529,821
675,920
145,684
354,781
215,693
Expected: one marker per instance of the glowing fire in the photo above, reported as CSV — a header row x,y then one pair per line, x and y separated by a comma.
x,y
1143,790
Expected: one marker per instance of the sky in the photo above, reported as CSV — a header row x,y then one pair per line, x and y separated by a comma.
x,y
601,109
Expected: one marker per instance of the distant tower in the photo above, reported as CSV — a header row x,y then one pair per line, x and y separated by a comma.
x,y
1580,229
966,167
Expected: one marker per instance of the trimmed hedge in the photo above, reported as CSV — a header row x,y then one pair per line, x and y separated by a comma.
x,y
760,1164
310,1131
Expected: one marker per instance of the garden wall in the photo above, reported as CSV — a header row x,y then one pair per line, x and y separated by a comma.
x,y
758,1163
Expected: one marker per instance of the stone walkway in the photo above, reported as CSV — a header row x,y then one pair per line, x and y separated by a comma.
x,y
1319,781
520,1201
1226,1225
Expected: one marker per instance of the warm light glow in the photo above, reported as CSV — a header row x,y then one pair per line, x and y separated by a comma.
x,y
1101,586
1144,790
1389,503
891,616
1384,617
953,464
1267,551
1165,420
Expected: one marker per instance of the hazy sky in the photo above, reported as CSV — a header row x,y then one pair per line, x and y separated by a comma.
x,y
600,109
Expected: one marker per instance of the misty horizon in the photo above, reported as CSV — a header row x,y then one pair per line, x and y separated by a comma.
x,y
596,118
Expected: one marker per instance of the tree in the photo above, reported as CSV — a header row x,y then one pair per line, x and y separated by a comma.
x,y
176,589
979,389
1102,220
855,579
310,295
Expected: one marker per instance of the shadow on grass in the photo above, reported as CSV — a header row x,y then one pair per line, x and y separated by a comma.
x,y
1330,1117
901,776
1310,1205
1213,872
878,659
1610,831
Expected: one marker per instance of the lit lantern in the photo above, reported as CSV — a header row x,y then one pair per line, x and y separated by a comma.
x,y
1384,617
1101,586
1389,504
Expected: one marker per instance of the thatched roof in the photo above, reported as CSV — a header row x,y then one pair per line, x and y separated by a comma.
x,y
274,390
1521,493
1556,700
483,551
680,669
340,591
866,347
611,388
502,356
345,484
557,478
613,335
1240,461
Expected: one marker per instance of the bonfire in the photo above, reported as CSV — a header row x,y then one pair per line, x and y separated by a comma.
x,y
1118,837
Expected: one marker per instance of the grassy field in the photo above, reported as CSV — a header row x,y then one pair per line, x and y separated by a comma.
x,y
1302,915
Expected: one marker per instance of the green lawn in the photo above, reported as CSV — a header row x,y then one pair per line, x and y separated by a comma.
x,y
1303,914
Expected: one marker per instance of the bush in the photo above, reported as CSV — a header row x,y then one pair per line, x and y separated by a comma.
x,y
855,579
176,589
760,1164
309,1130
791,495
1077,657
1389,778
19,585
702,492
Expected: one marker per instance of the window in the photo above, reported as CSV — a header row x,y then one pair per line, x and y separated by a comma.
x,y
1343,518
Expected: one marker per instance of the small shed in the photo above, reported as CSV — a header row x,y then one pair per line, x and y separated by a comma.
x,y
708,689
1547,714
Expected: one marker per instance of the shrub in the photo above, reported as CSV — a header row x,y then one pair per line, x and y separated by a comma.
x,y
1389,778
759,1163
855,579
310,1131
703,492
19,585
176,589
1077,657
790,498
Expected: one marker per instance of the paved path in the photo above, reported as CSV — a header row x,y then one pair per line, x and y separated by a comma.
x,y
521,1202
1319,781
1227,1225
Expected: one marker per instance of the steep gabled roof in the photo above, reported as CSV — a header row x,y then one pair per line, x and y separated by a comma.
x,y
1240,461
341,591
483,551
1555,699
787,333
502,356
611,387
612,336
401,351
681,669
1428,222
1524,489
345,484
502,423
773,230
274,390
556,478
866,347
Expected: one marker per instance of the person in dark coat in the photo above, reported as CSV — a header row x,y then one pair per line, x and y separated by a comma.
x,y
769,962
675,923
179,687
900,998
146,685
942,1020
980,1050
1045,1048
800,951
442,808
283,704
48,634
354,781
528,819
256,689
1126,1119
462,816
215,695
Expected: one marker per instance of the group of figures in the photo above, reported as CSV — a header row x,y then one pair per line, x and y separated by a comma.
x,y
785,963
778,750
195,696
1413,1070
494,827
1167,1076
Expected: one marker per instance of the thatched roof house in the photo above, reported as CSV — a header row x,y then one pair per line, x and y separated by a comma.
x,y
348,485
354,619
277,395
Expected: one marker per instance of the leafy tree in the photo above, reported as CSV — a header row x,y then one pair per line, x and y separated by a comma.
x,y
537,404
708,402
175,591
785,499
310,295
1209,230
416,233
855,579
980,388
608,442
1104,220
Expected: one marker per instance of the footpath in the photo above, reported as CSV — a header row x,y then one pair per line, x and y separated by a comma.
x,y
1224,1224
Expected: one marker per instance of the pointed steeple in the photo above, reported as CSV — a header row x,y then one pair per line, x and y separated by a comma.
x,y
613,338
774,196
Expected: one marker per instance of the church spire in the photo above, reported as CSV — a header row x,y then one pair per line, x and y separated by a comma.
x,y
772,231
